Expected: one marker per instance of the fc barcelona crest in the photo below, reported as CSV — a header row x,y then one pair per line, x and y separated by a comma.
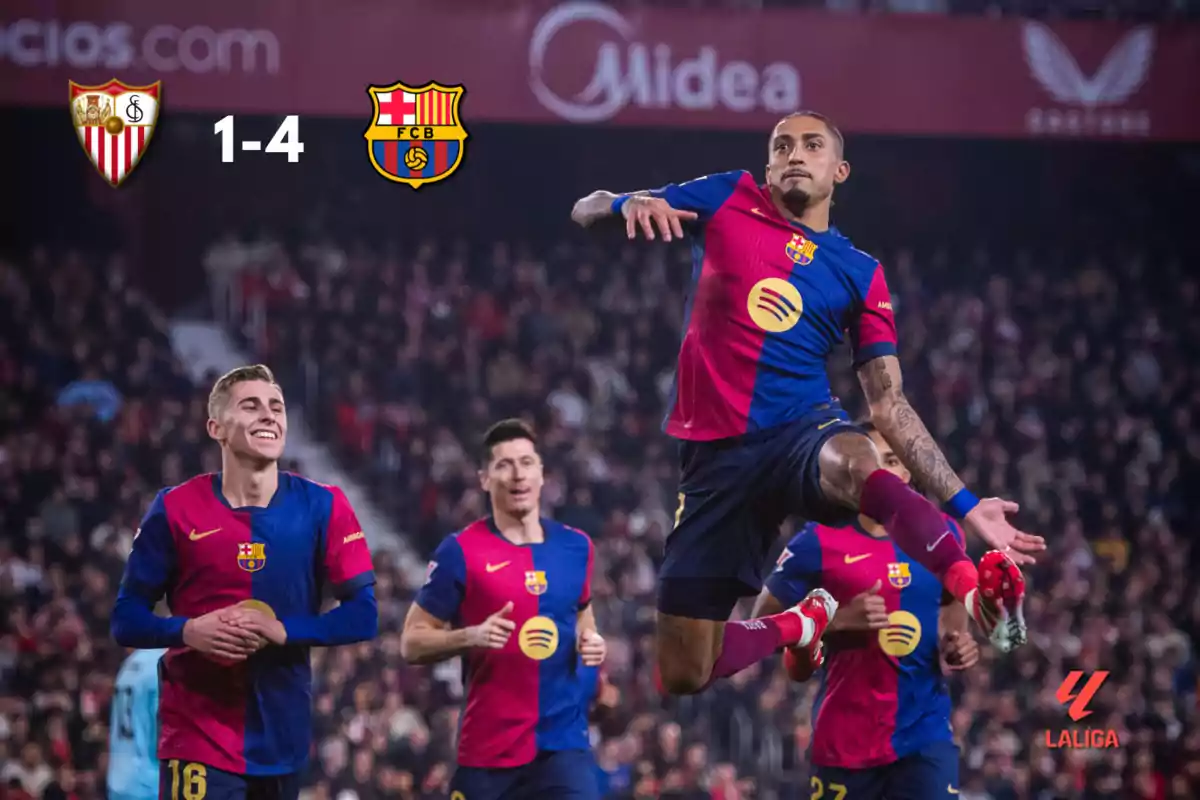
x,y
252,556
801,250
114,123
416,134
535,581
899,575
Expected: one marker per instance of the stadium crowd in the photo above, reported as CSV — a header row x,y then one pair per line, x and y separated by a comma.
x,y
1070,387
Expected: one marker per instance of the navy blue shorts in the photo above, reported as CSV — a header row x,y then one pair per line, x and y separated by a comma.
x,y
190,780
566,774
733,496
927,774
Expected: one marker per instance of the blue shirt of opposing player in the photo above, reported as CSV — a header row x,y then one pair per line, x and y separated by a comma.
x,y
133,729
878,665
512,570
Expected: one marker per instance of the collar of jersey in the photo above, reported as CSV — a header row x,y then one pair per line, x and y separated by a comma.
x,y
275,499
494,528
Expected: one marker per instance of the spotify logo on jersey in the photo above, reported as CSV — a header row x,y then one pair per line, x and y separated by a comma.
x,y
775,305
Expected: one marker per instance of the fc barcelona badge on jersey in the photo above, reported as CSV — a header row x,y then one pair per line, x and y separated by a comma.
x,y
899,575
535,581
252,556
801,250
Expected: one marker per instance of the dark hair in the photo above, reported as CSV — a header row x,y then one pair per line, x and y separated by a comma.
x,y
506,430
832,127
866,424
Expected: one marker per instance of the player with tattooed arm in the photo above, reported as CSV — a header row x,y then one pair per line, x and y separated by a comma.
x,y
775,289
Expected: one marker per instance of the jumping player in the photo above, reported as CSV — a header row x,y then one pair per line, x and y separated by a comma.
x,y
524,731
763,436
242,557
882,716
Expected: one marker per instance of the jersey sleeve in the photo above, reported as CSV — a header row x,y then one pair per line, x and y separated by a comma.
x,y
957,531
153,560
873,328
445,581
348,565
585,594
798,569
703,195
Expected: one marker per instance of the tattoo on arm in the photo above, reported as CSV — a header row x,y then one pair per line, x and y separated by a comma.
x,y
903,429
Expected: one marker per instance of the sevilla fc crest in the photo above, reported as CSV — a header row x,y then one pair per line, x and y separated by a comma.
x,y
416,135
114,123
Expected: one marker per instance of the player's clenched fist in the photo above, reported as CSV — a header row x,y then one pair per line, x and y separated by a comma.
x,y
866,612
647,213
959,651
592,648
493,633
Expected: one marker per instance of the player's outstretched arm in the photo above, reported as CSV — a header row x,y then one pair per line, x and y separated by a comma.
x,y
643,213
597,206
895,418
662,212
901,426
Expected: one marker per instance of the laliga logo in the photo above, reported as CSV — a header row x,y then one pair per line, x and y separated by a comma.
x,y
1119,77
1080,699
649,78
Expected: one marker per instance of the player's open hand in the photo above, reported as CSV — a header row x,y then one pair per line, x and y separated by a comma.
x,y
648,213
866,612
989,520
592,648
958,650
494,632
213,635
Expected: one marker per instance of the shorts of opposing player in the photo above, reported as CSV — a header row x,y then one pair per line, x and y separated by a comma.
x,y
733,496
560,774
925,775
190,780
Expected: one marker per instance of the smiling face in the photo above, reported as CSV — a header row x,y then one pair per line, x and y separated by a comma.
x,y
248,417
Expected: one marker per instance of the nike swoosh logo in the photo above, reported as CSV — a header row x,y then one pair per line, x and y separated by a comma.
x,y
757,210
825,425
929,547
856,559
497,567
951,790
195,537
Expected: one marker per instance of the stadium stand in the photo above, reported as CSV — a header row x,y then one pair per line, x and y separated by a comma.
x,y
1065,388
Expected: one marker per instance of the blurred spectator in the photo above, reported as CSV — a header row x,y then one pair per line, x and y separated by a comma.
x,y
1071,387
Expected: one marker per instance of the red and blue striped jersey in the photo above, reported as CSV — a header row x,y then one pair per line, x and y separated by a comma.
x,y
882,695
532,695
253,717
770,301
